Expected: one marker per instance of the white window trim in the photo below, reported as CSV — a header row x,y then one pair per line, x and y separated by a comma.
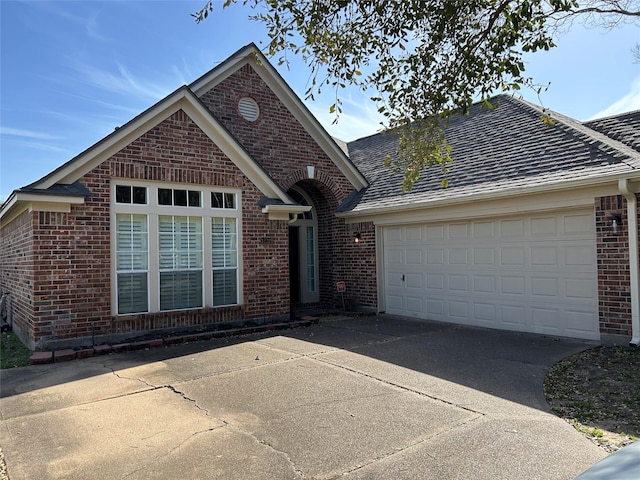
x,y
153,210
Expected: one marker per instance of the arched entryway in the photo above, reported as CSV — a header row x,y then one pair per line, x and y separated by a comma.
x,y
303,252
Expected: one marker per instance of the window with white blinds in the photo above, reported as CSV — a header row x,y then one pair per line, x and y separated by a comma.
x,y
180,262
224,249
132,263
175,255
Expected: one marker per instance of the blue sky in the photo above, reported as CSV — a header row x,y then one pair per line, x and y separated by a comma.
x,y
71,71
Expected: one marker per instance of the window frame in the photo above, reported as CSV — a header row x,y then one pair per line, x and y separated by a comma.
x,y
153,211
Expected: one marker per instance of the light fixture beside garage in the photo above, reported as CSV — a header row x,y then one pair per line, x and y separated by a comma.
x,y
357,237
616,221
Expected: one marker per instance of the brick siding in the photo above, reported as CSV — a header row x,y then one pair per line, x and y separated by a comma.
x,y
17,274
613,267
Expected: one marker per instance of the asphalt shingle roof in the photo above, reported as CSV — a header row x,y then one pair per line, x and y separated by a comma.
x,y
493,151
624,128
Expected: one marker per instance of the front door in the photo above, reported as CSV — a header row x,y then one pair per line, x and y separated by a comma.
x,y
303,254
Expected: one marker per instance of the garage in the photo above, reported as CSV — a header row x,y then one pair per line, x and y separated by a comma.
x,y
534,273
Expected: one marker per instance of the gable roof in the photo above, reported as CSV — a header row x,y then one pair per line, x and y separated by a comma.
x,y
624,128
499,152
57,184
250,54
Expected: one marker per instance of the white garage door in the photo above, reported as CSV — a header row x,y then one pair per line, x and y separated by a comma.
x,y
533,274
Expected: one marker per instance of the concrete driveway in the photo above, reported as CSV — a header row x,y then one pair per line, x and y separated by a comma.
x,y
360,398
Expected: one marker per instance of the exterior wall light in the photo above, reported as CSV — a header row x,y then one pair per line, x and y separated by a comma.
x,y
616,221
357,238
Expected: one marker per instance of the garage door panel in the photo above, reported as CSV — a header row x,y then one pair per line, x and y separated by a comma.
x,y
434,232
414,305
413,281
578,224
483,230
544,287
579,256
458,256
394,303
435,256
511,228
512,316
544,226
581,322
459,283
435,308
458,310
484,256
512,256
484,313
544,255
484,284
580,288
534,273
513,285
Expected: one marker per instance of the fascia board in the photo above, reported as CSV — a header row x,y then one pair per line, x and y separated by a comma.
x,y
600,186
225,141
293,103
281,212
181,100
110,145
19,202
252,55
222,71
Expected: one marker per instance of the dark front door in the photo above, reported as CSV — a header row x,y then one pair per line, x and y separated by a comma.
x,y
294,263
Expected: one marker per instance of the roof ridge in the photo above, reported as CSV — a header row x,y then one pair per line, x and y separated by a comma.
x,y
610,117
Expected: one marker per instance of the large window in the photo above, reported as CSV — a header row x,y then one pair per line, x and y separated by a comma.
x,y
173,251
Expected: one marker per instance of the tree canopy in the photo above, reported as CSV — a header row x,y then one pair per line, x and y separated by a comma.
x,y
424,60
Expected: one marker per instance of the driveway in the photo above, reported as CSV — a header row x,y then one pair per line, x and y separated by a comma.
x,y
374,397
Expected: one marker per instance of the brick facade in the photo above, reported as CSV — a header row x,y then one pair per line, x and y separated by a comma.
x,y
284,149
613,266
58,266
17,272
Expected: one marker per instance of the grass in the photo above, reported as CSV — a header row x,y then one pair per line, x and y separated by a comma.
x,y
12,352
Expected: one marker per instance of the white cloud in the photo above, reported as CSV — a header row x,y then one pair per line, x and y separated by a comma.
x,y
18,132
628,103
124,82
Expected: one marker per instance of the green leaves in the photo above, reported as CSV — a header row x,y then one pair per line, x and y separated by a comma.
x,y
424,60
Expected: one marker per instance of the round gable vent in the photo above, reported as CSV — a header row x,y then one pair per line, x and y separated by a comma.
x,y
248,109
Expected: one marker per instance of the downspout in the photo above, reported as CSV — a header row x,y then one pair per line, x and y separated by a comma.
x,y
634,266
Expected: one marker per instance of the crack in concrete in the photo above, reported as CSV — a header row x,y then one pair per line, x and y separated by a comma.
x,y
397,385
266,444
410,446
171,450
189,399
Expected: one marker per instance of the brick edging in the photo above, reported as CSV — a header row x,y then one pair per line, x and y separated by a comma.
x,y
65,355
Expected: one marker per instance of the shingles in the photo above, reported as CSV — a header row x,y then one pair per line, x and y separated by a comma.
x,y
624,128
493,151
75,189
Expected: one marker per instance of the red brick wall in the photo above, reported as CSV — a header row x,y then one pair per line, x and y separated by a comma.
x,y
178,151
358,266
276,140
71,260
613,267
284,149
16,272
